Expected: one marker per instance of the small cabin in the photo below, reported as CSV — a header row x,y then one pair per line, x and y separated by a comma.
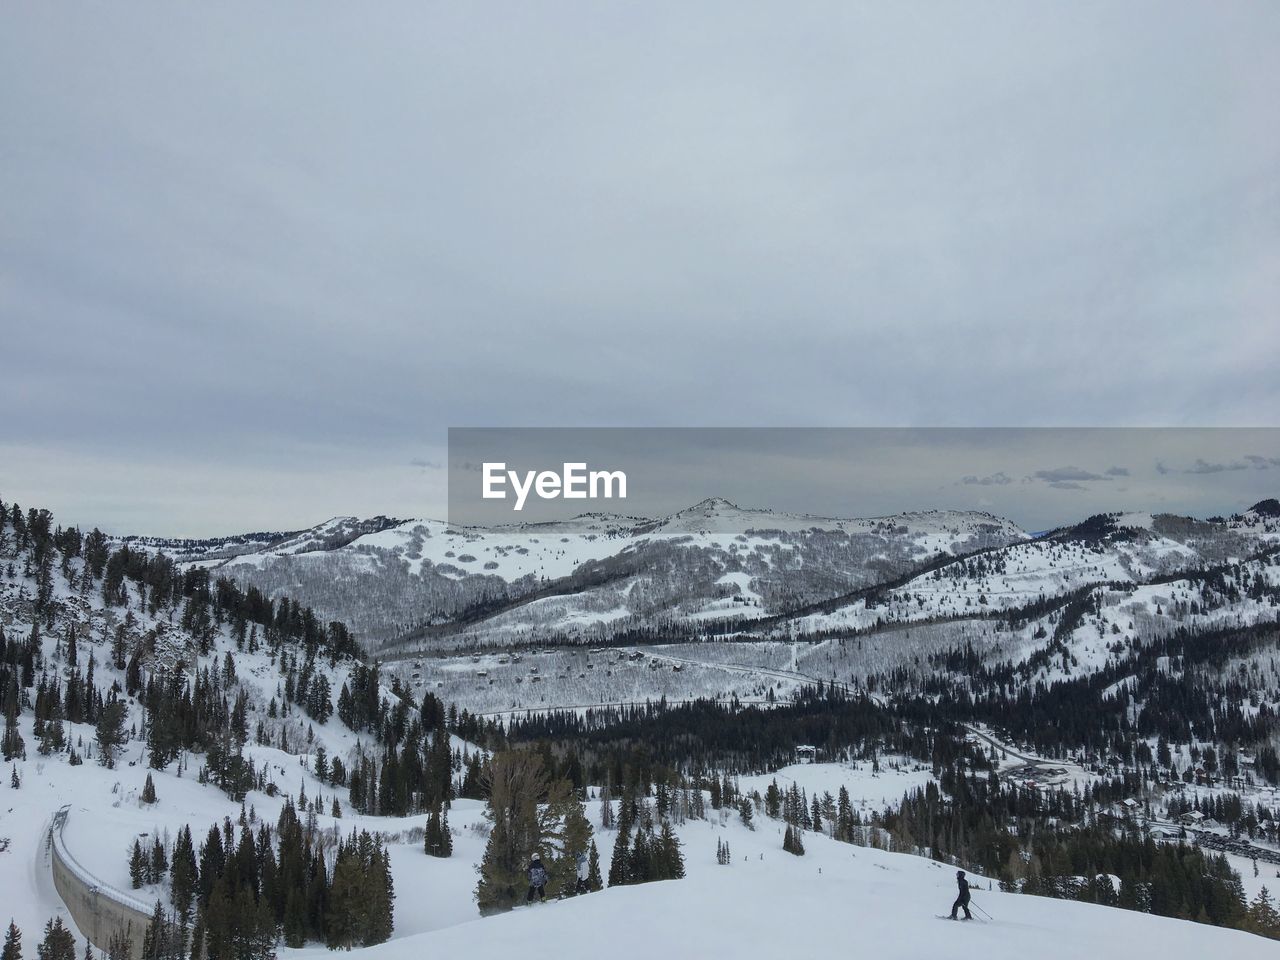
x,y
806,753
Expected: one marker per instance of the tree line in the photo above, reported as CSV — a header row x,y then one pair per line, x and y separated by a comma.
x,y
237,895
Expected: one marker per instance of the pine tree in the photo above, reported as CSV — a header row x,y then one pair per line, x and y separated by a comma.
x,y
638,860
844,817
159,862
264,932
15,781
295,918
594,880
431,839
12,746
120,947
1263,917
745,811
792,841
58,943
183,874
618,867
574,839
12,943
723,857
671,858
110,732
137,866
772,800
517,781
159,940
216,920
346,916
606,806
379,923
149,790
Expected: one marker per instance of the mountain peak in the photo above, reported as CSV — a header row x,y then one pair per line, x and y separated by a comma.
x,y
711,503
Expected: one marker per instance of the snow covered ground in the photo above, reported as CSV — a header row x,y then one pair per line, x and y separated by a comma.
x,y
870,791
107,815
765,904
830,902
835,899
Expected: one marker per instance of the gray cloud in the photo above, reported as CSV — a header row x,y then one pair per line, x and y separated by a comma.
x,y
1062,474
1202,466
1117,471
1066,485
1262,463
998,479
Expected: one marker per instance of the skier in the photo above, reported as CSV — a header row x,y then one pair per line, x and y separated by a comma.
x,y
537,880
584,871
962,901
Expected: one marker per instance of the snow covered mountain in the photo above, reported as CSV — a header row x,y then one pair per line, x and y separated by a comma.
x,y
799,598
716,569
711,562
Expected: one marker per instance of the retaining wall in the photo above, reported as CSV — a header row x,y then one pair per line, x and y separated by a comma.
x,y
99,910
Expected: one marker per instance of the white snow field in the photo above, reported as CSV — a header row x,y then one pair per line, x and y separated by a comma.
x,y
874,906
835,900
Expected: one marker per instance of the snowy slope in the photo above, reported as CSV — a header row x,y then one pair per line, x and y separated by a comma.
x,y
713,561
1140,548
876,905
712,566
834,900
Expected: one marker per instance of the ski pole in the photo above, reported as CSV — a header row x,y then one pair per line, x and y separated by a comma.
x,y
974,904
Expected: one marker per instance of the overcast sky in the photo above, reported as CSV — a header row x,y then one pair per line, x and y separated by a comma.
x,y
1040,477
256,258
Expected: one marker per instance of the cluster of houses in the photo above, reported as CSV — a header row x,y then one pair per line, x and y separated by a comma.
x,y
534,676
1041,777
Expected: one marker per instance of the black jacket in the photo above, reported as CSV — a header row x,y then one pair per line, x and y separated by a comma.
x,y
963,884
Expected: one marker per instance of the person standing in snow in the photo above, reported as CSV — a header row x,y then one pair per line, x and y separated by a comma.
x,y
962,901
537,880
584,871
